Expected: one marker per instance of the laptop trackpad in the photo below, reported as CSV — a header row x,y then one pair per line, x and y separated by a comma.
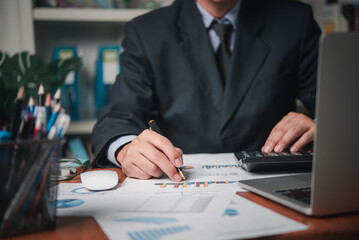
x,y
295,187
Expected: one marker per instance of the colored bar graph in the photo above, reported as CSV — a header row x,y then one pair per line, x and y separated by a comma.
x,y
196,184
219,166
153,234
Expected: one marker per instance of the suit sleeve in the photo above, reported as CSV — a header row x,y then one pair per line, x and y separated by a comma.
x,y
307,69
132,102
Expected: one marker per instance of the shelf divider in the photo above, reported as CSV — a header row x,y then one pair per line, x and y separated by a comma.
x,y
87,14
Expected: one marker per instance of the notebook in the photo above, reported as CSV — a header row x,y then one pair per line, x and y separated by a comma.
x,y
332,186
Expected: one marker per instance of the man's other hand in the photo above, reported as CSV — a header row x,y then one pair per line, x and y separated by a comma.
x,y
295,130
150,155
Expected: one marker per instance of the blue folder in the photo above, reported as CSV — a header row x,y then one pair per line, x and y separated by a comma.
x,y
70,92
108,66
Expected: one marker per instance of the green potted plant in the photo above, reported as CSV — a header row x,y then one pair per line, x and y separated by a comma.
x,y
30,70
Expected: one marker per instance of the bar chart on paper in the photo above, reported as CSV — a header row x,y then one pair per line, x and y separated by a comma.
x,y
203,184
199,177
214,166
156,233
211,172
201,172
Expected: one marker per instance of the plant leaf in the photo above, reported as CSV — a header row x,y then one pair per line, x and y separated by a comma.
x,y
30,70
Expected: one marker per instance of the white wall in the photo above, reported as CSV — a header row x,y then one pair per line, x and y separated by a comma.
x,y
16,26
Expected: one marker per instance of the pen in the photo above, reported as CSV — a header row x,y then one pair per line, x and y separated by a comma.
x,y
40,101
57,96
154,127
53,117
17,118
41,96
63,125
48,106
40,123
31,105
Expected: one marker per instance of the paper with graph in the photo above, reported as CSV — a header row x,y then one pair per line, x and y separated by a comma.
x,y
204,172
204,206
214,167
241,219
214,172
74,199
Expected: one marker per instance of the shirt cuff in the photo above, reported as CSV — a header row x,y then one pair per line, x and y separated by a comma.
x,y
120,142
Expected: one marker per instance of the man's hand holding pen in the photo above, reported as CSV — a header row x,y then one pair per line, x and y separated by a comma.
x,y
150,155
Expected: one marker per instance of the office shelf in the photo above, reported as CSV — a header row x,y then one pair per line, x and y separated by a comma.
x,y
86,14
87,29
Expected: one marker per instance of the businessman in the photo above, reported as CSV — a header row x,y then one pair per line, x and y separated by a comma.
x,y
217,76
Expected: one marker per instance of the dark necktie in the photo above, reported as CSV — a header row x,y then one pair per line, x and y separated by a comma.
x,y
223,54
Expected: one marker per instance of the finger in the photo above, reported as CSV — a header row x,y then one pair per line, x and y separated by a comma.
x,y
160,160
277,132
292,134
303,141
180,152
274,137
132,170
165,146
134,164
148,166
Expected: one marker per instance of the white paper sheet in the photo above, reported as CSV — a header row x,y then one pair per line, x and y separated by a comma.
x,y
203,207
204,172
75,200
131,185
244,219
225,159
241,219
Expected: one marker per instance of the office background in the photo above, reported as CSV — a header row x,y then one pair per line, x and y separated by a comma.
x,y
26,26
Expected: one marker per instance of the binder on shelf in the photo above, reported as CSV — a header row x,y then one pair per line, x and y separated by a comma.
x,y
108,66
69,98
104,3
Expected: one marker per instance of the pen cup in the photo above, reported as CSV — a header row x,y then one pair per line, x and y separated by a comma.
x,y
26,197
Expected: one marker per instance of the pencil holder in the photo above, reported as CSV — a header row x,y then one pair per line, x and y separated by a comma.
x,y
27,199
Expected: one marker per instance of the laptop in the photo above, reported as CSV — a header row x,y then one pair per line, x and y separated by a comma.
x,y
333,185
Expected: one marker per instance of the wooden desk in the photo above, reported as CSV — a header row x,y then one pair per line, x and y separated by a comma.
x,y
334,227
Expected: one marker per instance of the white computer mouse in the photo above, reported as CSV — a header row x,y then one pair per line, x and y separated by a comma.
x,y
99,179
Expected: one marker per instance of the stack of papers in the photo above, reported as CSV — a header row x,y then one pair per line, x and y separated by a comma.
x,y
204,206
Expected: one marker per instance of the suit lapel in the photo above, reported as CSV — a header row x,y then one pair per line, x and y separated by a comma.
x,y
196,46
248,56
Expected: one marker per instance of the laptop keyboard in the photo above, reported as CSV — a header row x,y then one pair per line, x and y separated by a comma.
x,y
299,194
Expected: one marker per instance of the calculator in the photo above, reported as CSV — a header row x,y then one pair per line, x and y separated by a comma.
x,y
256,161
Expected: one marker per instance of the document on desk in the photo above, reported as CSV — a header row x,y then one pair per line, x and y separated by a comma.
x,y
217,167
204,172
204,206
241,219
75,200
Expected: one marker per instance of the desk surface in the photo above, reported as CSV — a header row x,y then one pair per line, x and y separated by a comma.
x,y
333,227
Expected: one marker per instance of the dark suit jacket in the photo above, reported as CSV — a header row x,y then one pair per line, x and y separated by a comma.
x,y
169,73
